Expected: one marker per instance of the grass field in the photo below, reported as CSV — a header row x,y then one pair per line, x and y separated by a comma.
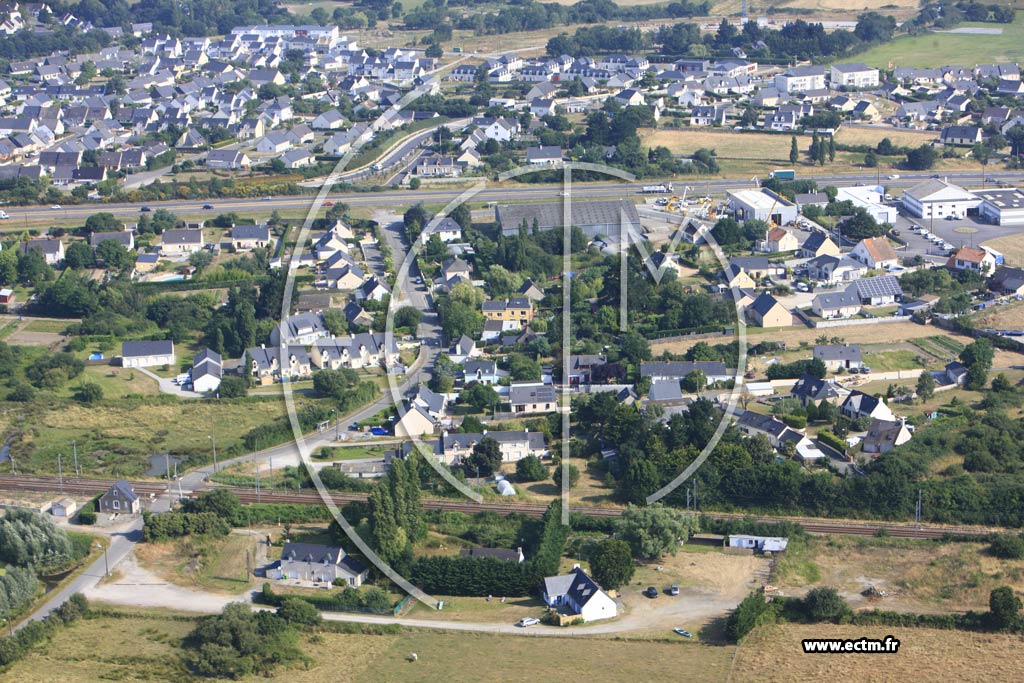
x,y
212,564
861,135
773,653
1011,246
147,647
951,48
116,436
916,575
1009,317
744,154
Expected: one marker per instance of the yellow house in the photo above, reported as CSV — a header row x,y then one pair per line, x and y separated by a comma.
x,y
415,422
819,244
737,277
766,311
779,239
515,310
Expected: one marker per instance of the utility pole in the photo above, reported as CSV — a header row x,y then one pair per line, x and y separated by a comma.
x,y
694,495
167,468
917,514
180,494
257,483
271,474
74,449
687,499
60,473
213,438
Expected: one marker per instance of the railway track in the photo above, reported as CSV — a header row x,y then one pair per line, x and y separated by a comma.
x,y
73,485
248,496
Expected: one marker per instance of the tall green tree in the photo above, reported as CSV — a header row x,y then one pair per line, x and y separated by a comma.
x,y
611,563
794,150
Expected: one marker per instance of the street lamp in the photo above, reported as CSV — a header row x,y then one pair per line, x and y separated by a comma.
x,y
106,563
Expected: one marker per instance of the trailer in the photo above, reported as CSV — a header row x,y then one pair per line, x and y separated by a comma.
x,y
783,174
664,188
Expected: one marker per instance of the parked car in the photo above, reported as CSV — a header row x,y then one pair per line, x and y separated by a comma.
x,y
3,216
378,431
683,632
528,621
673,590
865,369
651,592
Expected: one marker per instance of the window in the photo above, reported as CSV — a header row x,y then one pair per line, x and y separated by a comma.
x,y
117,504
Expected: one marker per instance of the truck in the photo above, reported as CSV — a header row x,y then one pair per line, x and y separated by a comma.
x,y
664,188
783,174
3,216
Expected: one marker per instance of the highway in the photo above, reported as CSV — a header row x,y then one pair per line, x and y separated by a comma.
x,y
495,192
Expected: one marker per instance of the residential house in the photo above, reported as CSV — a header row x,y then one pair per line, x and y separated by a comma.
x,y
779,239
181,241
801,79
531,291
885,435
714,371
317,564
766,311
832,305
758,267
453,448
834,269
231,159
372,290
147,354
545,155
972,258
818,244
878,291
514,313
414,421
121,499
483,371
265,366
52,250
249,237
577,595
755,424
961,135
810,389
708,115
839,356
527,398
858,405
126,238
875,253
446,229
302,329
1007,280
207,370
500,554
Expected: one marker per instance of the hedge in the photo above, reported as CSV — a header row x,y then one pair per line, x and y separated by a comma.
x,y
15,647
475,576
830,439
165,525
370,601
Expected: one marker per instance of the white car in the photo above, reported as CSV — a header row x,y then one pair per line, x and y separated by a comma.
x,y
3,216
57,207
528,621
894,176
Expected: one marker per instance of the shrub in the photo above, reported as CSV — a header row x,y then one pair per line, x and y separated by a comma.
x,y
87,516
531,468
1007,546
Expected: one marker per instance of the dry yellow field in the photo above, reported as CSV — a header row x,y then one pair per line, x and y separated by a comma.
x,y
1011,246
848,135
774,653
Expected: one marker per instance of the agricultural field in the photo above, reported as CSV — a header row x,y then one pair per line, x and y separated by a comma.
x,y
1008,317
917,576
968,49
147,647
773,653
746,154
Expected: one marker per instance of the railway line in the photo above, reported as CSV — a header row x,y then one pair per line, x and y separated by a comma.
x,y
249,496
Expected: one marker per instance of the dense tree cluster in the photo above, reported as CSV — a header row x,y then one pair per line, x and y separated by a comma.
x,y
29,539
239,643
167,525
396,515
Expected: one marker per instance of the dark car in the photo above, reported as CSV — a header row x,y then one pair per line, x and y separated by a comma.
x,y
207,206
145,209
651,592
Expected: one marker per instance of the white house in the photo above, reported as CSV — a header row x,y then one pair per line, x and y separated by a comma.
x,y
207,369
875,252
446,229
801,79
972,258
146,354
576,594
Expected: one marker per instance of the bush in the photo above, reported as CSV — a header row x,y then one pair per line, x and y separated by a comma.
x,y
232,387
29,539
1007,546
166,525
87,516
531,468
824,604
830,439
750,613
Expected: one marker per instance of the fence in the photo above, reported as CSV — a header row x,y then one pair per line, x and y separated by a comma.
x,y
860,321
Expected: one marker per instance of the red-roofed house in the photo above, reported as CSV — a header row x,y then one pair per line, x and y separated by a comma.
x,y
875,252
972,258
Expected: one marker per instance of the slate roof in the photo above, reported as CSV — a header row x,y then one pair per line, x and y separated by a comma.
x,y
814,388
136,349
531,393
680,369
665,390
763,423
838,352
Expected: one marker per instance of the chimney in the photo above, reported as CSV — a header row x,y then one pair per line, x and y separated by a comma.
x,y
263,346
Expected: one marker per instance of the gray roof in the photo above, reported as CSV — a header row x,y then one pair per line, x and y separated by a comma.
x,y
125,489
840,352
576,586
764,303
665,390
1007,279
860,402
137,349
762,423
122,237
584,214
883,285
207,356
251,232
814,388
845,298
182,237
680,369
321,554
531,393
468,440
503,554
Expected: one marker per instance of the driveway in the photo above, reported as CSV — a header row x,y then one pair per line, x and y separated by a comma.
x,y
167,386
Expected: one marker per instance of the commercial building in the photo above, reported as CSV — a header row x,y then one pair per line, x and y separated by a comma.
x,y
1002,207
609,217
869,198
762,205
937,199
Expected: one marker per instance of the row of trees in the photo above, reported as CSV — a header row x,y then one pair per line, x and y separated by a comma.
x,y
29,539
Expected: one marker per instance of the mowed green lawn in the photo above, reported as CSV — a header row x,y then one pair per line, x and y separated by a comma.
x,y
937,49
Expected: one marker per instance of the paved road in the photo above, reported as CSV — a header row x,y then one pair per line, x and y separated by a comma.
x,y
509,192
121,544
